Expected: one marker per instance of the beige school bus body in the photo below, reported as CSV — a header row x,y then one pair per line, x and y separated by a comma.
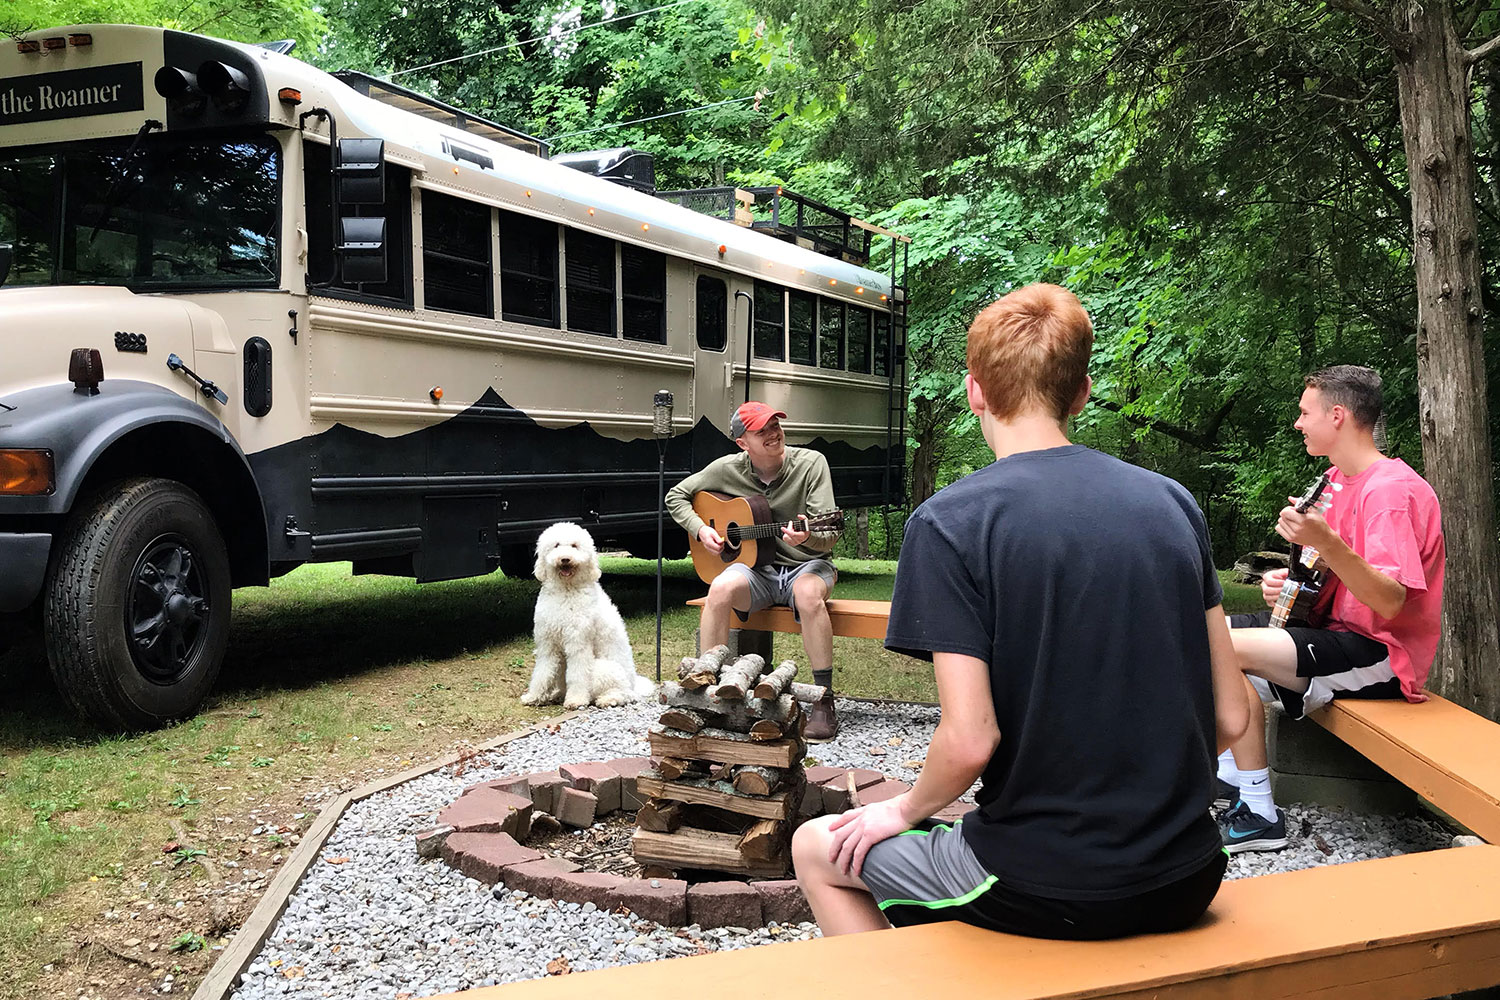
x,y
254,413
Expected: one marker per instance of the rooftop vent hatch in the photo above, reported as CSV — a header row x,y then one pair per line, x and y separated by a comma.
x,y
628,167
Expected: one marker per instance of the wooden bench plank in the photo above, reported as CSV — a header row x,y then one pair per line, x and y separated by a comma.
x,y
857,619
1402,928
1440,750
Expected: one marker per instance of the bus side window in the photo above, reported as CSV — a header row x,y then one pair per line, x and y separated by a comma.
x,y
713,314
831,334
770,322
528,269
803,334
643,282
882,343
859,339
397,214
591,282
456,255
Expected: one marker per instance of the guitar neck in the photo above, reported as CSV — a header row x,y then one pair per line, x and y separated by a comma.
x,y
768,530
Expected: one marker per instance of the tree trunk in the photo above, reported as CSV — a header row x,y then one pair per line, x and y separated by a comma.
x,y
862,533
925,431
1431,70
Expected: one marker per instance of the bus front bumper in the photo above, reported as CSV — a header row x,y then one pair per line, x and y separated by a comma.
x,y
23,568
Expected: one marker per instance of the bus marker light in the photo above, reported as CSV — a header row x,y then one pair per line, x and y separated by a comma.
x,y
832,281
883,298
436,392
859,291
289,95
51,44
723,249
29,47
25,472
80,39
645,227
591,211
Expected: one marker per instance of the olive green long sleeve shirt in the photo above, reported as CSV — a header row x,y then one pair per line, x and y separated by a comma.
x,y
803,486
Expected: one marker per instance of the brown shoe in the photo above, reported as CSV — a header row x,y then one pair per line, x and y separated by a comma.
x,y
822,722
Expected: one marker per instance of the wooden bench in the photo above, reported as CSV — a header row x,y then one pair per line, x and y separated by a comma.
x,y
1402,928
859,619
1442,751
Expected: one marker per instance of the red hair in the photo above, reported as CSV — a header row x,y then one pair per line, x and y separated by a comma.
x,y
1031,348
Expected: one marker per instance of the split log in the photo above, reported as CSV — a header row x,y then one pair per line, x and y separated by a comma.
x,y
686,719
765,729
807,693
735,714
721,772
714,658
659,816
757,780
763,841
772,684
720,794
689,848
724,746
737,679
675,767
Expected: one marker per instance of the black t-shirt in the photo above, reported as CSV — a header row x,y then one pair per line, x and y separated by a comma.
x,y
1082,581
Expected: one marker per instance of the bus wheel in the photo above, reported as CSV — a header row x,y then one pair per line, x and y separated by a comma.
x,y
137,605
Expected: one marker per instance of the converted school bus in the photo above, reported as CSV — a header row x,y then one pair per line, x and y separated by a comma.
x,y
205,382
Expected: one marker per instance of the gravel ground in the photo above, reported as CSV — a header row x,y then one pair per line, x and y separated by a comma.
x,y
386,924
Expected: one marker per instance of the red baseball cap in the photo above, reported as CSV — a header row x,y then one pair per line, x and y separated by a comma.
x,y
751,416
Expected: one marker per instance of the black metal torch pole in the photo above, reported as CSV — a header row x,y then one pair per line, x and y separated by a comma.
x,y
661,425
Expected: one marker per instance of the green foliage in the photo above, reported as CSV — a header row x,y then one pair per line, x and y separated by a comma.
x,y
246,21
188,941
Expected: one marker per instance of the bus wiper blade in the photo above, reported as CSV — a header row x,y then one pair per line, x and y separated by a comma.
x,y
108,207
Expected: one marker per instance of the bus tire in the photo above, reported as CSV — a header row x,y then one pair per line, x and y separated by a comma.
x,y
137,605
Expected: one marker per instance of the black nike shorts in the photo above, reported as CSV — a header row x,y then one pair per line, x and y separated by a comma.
x,y
1338,665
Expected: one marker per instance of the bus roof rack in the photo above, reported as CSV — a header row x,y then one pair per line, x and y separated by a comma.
x,y
429,107
788,216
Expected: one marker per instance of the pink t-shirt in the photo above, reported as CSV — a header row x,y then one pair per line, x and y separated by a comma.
x,y
1390,517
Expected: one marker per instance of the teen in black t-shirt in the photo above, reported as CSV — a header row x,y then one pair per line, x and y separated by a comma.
x,y
1071,610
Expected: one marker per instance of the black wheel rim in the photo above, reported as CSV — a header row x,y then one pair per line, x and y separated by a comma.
x,y
167,611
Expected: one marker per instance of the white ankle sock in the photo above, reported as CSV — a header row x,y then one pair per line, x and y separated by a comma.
x,y
1228,770
1255,792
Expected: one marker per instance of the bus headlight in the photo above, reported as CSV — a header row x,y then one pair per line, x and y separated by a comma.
x,y
26,472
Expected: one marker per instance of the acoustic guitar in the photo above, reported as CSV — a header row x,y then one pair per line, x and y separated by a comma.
x,y
748,529
1308,573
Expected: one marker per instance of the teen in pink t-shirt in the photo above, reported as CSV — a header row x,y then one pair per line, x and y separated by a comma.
x,y
1375,629
1389,515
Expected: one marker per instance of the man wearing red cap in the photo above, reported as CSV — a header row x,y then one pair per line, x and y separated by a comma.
x,y
796,483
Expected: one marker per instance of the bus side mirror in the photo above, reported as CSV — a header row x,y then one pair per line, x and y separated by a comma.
x,y
361,251
7,254
361,171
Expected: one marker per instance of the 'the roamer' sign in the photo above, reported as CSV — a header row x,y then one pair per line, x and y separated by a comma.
x,y
74,93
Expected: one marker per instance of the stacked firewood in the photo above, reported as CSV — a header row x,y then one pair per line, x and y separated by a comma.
x,y
728,782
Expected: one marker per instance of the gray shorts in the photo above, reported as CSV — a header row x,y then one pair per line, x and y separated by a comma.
x,y
933,869
771,585
922,877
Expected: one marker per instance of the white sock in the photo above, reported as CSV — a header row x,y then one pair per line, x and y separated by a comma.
x,y
1228,770
1255,792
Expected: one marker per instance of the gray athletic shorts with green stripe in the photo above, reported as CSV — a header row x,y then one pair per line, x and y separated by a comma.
x,y
920,877
935,870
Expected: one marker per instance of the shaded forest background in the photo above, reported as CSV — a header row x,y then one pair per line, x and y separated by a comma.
x,y
1224,184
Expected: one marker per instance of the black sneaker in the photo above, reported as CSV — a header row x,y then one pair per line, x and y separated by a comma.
x,y
1245,830
1227,794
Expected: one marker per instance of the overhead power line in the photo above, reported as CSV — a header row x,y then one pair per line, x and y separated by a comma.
x,y
539,38
652,118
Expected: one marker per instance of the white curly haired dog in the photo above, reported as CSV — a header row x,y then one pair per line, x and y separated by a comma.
x,y
582,652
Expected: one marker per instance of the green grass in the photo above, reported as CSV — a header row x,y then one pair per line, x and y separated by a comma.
x,y
329,677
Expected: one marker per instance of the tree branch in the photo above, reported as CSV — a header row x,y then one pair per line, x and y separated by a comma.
x,y
1184,434
1479,52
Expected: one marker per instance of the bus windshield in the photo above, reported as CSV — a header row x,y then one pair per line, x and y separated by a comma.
x,y
169,214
